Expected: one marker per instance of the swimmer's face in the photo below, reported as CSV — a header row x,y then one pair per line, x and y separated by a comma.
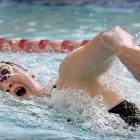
x,y
17,81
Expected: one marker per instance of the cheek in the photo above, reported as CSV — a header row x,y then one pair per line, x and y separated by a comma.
x,y
3,86
18,79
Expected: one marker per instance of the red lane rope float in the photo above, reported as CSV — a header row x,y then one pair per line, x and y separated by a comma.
x,y
25,45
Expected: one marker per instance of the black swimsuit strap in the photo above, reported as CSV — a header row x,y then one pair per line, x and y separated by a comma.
x,y
54,86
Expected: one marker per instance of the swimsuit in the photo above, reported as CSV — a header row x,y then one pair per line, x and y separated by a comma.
x,y
128,111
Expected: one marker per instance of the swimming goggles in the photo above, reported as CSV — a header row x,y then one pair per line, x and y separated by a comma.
x,y
4,74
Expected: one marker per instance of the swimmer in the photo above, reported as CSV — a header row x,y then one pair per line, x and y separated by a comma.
x,y
81,69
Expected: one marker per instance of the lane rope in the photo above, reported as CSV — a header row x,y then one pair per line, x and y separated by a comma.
x,y
45,45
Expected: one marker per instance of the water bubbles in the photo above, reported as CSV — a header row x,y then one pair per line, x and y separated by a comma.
x,y
30,30
137,34
1,21
105,22
32,24
17,28
47,26
91,14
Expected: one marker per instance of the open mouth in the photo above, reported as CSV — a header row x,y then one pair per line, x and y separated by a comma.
x,y
20,91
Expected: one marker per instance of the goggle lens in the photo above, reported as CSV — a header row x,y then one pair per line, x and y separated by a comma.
x,y
4,74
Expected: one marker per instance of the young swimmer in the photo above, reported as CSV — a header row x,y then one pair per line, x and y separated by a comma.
x,y
81,69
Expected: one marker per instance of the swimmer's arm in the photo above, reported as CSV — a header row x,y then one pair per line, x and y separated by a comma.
x,y
121,43
130,57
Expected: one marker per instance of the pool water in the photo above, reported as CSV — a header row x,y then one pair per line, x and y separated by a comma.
x,y
68,115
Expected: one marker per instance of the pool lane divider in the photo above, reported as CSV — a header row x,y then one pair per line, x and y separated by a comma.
x,y
45,45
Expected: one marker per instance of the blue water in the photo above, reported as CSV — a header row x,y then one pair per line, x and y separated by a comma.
x,y
68,115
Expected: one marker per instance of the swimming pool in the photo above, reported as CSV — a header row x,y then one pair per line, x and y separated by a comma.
x,y
68,115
